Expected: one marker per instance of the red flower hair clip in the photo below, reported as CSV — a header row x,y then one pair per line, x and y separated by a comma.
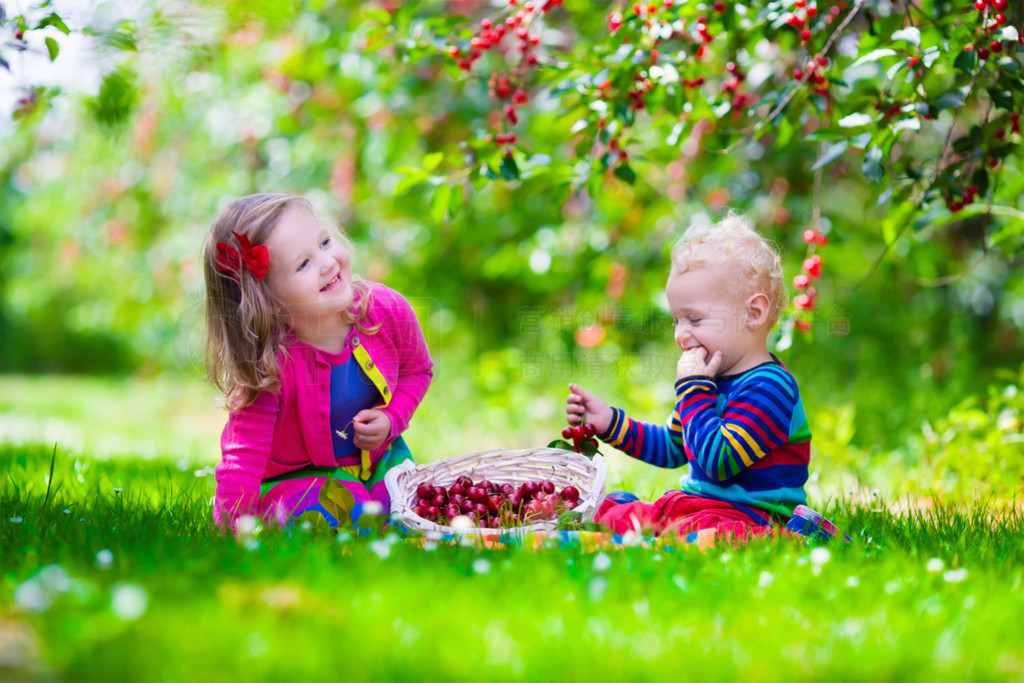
x,y
256,259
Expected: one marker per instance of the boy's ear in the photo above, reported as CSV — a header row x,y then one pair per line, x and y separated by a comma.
x,y
758,306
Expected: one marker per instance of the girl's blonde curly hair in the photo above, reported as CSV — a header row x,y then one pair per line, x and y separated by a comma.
x,y
734,244
243,327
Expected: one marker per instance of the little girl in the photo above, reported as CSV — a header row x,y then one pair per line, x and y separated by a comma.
x,y
321,371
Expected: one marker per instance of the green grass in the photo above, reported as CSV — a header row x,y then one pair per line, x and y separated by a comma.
x,y
111,571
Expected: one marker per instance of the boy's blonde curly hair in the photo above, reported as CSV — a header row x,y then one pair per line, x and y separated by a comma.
x,y
734,244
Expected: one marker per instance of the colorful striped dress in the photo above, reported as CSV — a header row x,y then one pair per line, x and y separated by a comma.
x,y
744,436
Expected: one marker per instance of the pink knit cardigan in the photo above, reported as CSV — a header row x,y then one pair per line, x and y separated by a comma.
x,y
285,431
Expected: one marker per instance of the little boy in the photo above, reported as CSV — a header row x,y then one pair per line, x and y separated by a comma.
x,y
738,420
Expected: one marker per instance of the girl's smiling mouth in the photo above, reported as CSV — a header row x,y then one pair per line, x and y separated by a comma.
x,y
333,283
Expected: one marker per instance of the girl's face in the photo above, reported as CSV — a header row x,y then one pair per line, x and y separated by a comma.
x,y
310,271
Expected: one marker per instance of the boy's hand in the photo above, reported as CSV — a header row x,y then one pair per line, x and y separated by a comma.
x,y
695,361
582,406
371,428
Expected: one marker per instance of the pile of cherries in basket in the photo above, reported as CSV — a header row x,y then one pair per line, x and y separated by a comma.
x,y
492,505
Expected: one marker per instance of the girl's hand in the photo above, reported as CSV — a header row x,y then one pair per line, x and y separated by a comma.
x,y
695,361
582,406
371,428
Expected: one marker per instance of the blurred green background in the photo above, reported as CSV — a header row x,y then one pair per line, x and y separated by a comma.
x,y
911,373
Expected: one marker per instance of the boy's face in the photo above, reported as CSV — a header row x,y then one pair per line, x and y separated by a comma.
x,y
710,314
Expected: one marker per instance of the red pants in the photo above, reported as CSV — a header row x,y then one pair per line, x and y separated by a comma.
x,y
679,513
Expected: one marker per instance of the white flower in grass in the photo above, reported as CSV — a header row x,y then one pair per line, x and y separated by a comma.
x,y
935,565
15,520
104,559
852,581
381,548
373,508
247,525
765,579
462,524
129,601
32,596
820,556
602,562
955,575
251,544
434,535
481,565
631,538
596,588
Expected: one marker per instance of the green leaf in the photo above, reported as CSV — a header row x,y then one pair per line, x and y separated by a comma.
x,y
439,202
966,61
409,181
381,16
488,172
831,154
911,34
625,173
432,160
874,56
872,166
560,443
53,19
1009,33
948,100
456,200
509,169
1002,98
52,47
854,120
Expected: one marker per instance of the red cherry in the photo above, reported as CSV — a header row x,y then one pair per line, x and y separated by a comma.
x,y
439,500
464,481
486,24
433,512
451,511
803,301
1001,19
456,498
812,11
589,429
547,487
980,5
425,491
805,35
453,51
810,235
466,505
801,281
567,433
570,493
507,489
812,266
456,489
803,325
480,509
996,46
1000,5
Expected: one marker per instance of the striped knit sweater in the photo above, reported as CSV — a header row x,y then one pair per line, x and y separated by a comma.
x,y
744,436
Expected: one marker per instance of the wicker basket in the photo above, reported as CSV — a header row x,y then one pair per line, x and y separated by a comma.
x,y
502,466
